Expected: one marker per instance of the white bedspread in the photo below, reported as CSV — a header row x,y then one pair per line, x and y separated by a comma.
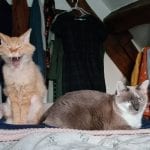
x,y
78,140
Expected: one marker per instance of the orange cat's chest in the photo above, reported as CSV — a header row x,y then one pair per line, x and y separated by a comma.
x,y
21,76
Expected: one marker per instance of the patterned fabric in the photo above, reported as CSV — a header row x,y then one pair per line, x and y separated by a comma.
x,y
79,141
148,62
49,6
143,73
82,39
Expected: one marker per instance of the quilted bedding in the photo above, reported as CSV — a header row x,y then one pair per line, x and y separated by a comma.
x,y
68,139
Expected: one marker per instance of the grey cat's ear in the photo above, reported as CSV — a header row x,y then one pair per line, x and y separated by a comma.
x,y
143,86
26,36
120,87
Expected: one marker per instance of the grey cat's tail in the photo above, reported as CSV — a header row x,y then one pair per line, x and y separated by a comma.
x,y
44,116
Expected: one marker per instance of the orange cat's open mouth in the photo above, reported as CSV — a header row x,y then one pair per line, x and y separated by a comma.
x,y
15,61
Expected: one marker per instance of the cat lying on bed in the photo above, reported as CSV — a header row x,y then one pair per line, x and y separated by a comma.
x,y
24,84
93,110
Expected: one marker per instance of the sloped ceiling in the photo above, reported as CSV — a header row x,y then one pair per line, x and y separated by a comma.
x,y
115,4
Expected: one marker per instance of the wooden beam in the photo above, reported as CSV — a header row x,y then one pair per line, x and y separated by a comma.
x,y
122,54
129,16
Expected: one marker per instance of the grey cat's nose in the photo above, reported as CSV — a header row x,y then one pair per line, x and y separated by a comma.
x,y
135,105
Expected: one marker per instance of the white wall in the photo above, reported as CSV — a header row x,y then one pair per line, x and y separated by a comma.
x,y
115,4
141,35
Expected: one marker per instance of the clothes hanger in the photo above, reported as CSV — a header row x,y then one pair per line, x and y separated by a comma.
x,y
78,11
81,11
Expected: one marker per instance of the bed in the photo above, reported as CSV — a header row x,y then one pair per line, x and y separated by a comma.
x,y
42,137
67,139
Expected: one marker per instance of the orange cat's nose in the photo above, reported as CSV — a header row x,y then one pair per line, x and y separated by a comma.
x,y
13,49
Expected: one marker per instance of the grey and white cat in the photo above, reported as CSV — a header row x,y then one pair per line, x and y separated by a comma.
x,y
94,110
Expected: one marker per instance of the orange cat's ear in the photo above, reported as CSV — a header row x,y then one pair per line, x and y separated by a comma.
x,y
26,36
3,38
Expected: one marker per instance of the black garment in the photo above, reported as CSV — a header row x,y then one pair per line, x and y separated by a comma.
x,y
5,17
82,38
6,28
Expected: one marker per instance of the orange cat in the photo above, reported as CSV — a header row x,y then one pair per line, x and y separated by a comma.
x,y
24,84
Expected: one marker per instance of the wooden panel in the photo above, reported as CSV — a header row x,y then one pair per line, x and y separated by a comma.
x,y
124,39
120,56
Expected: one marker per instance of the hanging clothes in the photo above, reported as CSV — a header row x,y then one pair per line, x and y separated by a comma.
x,y
141,72
135,72
148,63
20,16
49,13
5,12
41,5
55,70
36,36
83,58
6,28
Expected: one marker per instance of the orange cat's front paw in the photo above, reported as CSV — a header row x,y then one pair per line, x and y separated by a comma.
x,y
33,121
9,121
